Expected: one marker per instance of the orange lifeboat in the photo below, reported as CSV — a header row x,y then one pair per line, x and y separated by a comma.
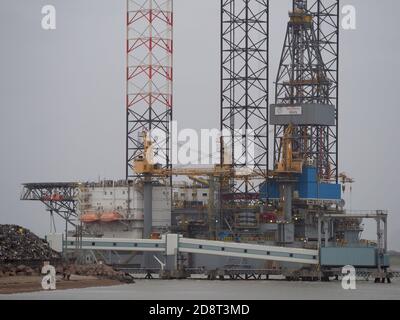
x,y
89,217
110,217
155,236
56,197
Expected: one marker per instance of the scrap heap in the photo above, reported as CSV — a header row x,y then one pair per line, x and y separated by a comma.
x,y
18,244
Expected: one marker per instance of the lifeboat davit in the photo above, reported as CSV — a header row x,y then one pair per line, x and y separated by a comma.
x,y
110,217
90,217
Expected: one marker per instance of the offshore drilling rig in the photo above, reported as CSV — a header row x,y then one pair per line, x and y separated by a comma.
x,y
288,218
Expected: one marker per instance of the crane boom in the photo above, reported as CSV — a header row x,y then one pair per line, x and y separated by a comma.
x,y
145,165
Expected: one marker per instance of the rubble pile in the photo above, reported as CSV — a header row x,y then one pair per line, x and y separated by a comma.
x,y
100,271
9,270
19,244
22,253
93,270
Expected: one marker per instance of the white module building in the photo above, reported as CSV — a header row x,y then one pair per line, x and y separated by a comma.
x,y
115,209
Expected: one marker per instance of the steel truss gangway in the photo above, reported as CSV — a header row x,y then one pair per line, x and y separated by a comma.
x,y
171,245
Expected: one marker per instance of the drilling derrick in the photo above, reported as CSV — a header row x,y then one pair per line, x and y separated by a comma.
x,y
149,79
305,93
305,120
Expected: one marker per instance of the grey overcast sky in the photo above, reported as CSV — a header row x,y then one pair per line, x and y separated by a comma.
x,y
62,96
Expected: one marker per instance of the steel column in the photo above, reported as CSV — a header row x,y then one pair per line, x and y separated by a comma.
x,y
149,78
244,87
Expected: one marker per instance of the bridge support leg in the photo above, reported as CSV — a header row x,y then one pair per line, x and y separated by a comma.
x,y
172,270
171,254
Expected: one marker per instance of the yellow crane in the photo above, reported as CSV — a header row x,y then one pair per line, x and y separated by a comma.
x,y
289,162
144,164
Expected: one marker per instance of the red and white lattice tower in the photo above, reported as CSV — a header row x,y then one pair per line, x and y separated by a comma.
x,y
149,78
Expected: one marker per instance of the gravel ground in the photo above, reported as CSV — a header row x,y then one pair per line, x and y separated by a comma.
x,y
19,284
224,290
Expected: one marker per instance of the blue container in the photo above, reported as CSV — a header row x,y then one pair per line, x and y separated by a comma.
x,y
357,257
269,190
307,186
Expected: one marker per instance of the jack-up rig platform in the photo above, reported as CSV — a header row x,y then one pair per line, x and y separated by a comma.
x,y
287,217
